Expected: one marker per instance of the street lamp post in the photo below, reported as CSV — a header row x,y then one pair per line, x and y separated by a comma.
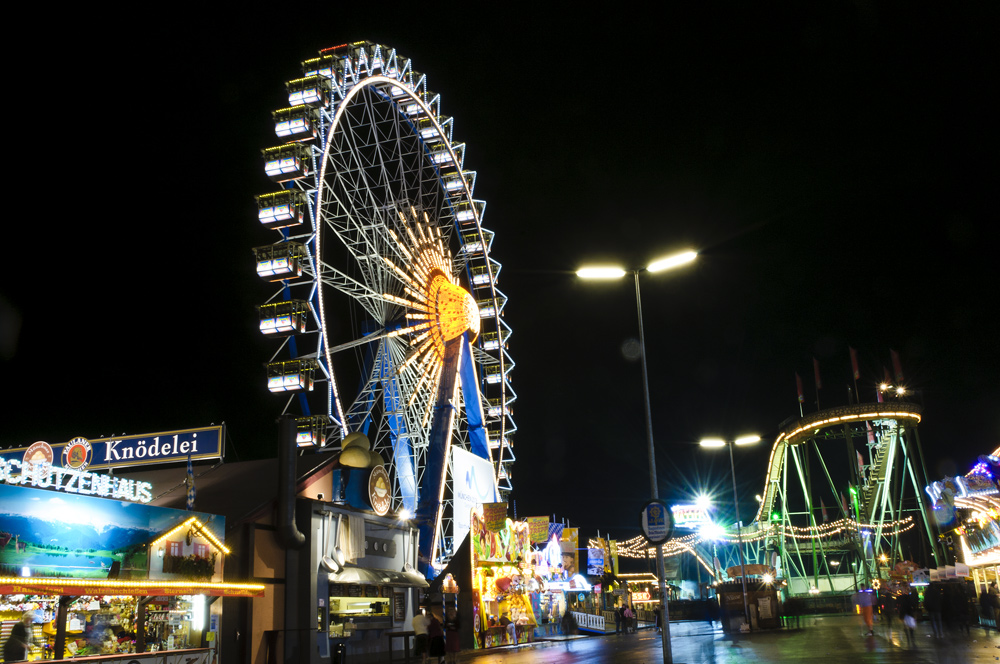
x,y
617,273
743,440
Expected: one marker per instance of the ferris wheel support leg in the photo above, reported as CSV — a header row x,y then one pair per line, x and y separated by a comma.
x,y
478,444
432,489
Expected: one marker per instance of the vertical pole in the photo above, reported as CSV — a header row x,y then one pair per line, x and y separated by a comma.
x,y
59,648
940,560
660,573
812,515
739,537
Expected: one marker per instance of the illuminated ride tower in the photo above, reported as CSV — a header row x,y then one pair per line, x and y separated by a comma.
x,y
385,310
828,525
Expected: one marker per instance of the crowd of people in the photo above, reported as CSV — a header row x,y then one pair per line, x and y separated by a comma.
x,y
625,620
949,607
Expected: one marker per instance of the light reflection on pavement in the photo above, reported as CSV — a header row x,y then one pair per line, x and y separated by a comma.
x,y
827,639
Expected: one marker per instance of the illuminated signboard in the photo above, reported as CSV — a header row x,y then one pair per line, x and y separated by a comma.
x,y
689,516
44,475
141,450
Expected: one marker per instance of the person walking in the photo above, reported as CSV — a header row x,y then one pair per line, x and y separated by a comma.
x,y
907,605
957,607
568,627
934,603
886,607
629,616
420,624
658,619
618,620
990,602
435,639
452,625
863,600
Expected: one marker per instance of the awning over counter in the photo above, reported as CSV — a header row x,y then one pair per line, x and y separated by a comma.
x,y
380,577
40,586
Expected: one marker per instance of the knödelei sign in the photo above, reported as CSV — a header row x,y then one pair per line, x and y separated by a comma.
x,y
140,450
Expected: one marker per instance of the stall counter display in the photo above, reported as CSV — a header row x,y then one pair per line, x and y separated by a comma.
x,y
501,563
354,608
95,625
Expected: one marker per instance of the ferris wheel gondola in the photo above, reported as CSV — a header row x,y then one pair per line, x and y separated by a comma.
x,y
386,295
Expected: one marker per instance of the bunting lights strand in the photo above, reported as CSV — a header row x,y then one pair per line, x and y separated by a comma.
x,y
637,547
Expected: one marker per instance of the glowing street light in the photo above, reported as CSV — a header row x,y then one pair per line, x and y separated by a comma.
x,y
614,272
742,440
671,262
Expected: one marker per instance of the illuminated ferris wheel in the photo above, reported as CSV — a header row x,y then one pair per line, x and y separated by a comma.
x,y
386,297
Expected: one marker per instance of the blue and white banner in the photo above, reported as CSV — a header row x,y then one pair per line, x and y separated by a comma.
x,y
473,485
127,451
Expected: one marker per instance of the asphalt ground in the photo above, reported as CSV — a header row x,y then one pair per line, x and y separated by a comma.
x,y
827,639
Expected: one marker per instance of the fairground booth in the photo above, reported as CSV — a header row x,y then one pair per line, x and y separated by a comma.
x,y
503,578
96,568
967,511
506,590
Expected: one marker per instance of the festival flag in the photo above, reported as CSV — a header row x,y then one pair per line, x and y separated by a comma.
x,y
570,545
896,366
495,516
798,386
854,363
822,507
555,529
538,529
819,383
871,434
843,501
878,394
189,480
861,464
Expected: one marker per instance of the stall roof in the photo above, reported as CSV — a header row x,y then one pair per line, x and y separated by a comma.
x,y
239,491
387,577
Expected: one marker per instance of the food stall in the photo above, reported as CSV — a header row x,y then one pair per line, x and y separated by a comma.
x,y
502,580
100,571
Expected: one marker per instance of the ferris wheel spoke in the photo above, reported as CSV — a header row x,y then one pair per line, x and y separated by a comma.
x,y
334,278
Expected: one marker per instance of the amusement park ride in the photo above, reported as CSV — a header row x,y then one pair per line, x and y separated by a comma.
x,y
385,299
792,537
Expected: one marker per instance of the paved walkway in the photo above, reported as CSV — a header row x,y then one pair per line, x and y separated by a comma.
x,y
820,639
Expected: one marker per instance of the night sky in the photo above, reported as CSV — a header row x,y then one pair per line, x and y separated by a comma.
x,y
835,165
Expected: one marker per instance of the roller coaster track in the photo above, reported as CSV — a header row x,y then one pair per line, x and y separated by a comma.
x,y
801,431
